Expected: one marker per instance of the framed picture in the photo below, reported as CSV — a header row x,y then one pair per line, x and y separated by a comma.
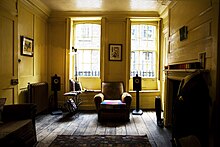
x,y
183,33
27,46
115,52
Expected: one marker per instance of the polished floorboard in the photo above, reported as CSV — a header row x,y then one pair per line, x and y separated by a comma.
x,y
85,123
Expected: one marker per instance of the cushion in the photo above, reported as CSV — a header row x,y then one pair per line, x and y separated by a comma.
x,y
13,126
112,90
2,103
112,104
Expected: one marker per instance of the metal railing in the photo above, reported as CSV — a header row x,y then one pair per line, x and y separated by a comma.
x,y
88,73
145,74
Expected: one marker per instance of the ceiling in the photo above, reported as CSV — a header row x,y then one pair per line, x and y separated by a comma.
x,y
104,5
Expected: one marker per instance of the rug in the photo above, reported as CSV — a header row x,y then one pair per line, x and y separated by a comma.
x,y
100,141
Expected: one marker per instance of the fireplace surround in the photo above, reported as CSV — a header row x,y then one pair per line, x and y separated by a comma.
x,y
187,103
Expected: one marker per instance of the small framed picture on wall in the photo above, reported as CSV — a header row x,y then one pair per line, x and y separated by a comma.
x,y
183,33
115,52
27,46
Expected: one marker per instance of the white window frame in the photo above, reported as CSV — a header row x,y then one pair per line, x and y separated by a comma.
x,y
88,82
84,73
148,83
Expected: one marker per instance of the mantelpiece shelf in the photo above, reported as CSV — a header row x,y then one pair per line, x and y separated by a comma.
x,y
192,65
182,70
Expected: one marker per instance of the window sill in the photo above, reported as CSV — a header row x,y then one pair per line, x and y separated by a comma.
x,y
145,91
90,90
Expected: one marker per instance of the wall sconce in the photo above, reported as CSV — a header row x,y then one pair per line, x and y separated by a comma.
x,y
74,53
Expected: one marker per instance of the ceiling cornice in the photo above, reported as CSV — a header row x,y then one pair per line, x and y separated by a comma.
x,y
164,2
40,6
105,14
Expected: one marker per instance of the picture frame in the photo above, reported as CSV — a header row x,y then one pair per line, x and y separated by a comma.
x,y
183,33
115,52
27,46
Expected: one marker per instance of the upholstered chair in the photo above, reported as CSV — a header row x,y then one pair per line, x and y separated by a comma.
x,y
113,103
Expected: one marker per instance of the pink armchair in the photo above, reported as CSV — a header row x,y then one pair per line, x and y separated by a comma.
x,y
113,103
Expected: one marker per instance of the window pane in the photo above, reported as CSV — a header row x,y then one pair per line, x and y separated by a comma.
x,y
87,42
151,37
143,50
134,37
87,36
86,56
95,56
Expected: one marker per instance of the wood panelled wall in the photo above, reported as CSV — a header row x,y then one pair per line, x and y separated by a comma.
x,y
8,50
32,23
201,20
197,18
58,53
115,71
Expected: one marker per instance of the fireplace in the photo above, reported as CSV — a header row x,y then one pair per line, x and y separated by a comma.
x,y
172,82
187,104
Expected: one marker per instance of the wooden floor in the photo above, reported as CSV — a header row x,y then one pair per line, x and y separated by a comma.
x,y
85,123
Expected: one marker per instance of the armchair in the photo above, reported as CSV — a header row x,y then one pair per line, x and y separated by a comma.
x,y
18,127
113,103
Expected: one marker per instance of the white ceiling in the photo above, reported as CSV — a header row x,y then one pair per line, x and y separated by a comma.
x,y
103,5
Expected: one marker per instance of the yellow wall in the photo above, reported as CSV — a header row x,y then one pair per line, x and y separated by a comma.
x,y
51,48
164,32
52,44
116,34
8,50
114,28
32,24
57,59
29,21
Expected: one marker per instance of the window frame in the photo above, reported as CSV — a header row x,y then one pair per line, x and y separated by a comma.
x,y
148,83
73,41
88,82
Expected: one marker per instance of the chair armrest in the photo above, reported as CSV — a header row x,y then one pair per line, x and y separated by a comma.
x,y
19,112
98,98
126,98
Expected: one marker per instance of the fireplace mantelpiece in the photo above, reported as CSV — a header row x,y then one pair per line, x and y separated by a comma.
x,y
172,78
179,71
187,103
179,74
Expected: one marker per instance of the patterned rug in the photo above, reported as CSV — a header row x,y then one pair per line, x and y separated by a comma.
x,y
100,141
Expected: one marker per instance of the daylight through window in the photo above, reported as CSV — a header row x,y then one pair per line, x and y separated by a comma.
x,y
87,42
143,50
